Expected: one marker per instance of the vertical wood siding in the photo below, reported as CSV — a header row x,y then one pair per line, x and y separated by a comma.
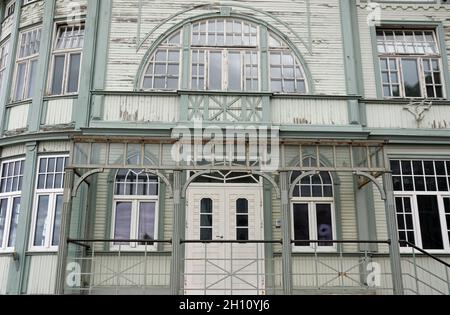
x,y
13,151
18,117
54,146
141,108
5,262
309,112
59,112
396,116
42,275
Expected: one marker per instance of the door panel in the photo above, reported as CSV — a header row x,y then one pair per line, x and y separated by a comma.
x,y
224,268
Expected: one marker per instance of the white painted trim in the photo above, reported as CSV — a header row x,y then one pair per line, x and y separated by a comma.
x,y
50,220
312,216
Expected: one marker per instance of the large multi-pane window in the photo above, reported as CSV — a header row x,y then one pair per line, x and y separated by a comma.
x,y
286,73
225,55
422,195
48,203
313,211
163,71
135,214
3,62
67,52
10,197
26,65
411,64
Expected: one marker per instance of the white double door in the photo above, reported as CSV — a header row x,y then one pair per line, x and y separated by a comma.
x,y
224,214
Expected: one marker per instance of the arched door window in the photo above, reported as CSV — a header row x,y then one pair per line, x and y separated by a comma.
x,y
313,211
225,55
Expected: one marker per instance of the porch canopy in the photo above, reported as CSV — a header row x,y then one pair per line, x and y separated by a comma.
x,y
269,156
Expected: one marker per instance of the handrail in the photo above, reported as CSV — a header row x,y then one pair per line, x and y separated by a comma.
x,y
82,243
230,242
425,253
387,242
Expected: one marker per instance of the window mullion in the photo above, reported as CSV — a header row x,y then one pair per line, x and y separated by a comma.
x,y
312,224
225,71
49,221
66,72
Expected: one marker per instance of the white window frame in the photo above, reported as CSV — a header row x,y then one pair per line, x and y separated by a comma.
x,y
134,228
205,40
50,222
415,209
312,215
10,196
278,46
225,87
419,58
4,54
168,47
27,60
135,201
67,53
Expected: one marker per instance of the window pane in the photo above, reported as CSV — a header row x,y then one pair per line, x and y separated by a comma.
x,y
324,224
57,223
14,222
20,81
122,229
206,220
301,224
147,219
58,70
242,234
74,73
32,78
242,205
206,206
430,224
206,234
411,78
234,71
41,221
3,209
215,71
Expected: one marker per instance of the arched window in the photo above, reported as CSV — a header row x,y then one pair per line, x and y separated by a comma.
x,y
225,55
313,211
135,204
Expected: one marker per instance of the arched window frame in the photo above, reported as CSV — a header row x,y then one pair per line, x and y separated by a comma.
x,y
135,199
299,202
262,47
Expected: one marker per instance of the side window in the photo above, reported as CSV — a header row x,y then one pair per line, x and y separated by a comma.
x,y
410,63
10,197
422,194
313,211
26,64
135,217
48,203
66,65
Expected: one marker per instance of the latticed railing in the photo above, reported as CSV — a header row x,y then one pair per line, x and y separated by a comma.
x,y
249,268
